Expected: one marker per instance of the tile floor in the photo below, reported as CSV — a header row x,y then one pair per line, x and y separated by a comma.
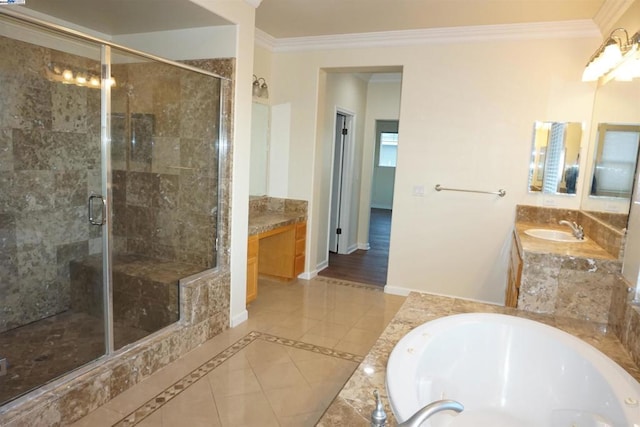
x,y
282,367
50,347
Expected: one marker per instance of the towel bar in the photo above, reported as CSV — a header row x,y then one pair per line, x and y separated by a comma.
x,y
500,192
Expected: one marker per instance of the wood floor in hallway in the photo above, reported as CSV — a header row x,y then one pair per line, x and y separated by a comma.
x,y
365,266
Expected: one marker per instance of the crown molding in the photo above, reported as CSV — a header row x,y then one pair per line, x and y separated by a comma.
x,y
610,13
265,40
539,30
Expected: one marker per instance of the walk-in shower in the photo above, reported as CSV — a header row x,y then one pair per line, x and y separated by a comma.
x,y
109,163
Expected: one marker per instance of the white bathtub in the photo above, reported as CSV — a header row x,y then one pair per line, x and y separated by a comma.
x,y
508,371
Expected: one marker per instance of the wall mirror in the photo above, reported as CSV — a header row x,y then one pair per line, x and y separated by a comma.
x,y
615,154
259,161
613,150
555,157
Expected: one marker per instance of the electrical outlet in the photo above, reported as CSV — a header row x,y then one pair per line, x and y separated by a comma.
x,y
418,190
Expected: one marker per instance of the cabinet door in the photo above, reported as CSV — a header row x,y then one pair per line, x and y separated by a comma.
x,y
301,243
252,268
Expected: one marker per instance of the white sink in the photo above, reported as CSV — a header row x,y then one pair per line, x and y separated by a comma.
x,y
555,235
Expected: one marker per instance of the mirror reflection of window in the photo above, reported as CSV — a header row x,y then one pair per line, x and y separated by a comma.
x,y
615,161
555,157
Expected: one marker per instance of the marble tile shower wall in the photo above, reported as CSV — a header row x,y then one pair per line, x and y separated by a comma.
x,y
49,163
165,161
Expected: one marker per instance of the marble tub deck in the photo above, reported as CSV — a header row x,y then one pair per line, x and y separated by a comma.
x,y
354,403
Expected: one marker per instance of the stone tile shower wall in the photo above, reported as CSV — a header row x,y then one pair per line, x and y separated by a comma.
x,y
165,167
49,163
164,153
165,124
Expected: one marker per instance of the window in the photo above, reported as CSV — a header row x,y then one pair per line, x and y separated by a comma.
x,y
388,149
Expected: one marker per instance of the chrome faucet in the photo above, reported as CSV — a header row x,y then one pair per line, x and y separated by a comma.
x,y
432,408
379,417
577,229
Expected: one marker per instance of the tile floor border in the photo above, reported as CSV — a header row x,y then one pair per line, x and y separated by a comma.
x,y
192,377
357,285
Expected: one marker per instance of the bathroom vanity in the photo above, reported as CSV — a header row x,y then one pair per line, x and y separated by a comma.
x,y
571,279
276,242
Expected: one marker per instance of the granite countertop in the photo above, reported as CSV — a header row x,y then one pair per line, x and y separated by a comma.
x,y
586,249
355,402
269,220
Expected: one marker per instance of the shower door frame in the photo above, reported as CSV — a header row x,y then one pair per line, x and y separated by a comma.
x,y
106,179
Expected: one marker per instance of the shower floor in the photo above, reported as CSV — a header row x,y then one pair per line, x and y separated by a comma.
x,y
48,348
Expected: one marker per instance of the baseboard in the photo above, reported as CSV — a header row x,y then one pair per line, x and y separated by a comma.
x,y
397,290
308,275
239,318
351,249
324,264
364,246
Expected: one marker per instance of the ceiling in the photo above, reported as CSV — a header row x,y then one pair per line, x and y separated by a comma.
x,y
115,17
300,18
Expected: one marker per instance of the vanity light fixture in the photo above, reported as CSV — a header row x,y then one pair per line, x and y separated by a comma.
x,y
618,57
259,87
70,75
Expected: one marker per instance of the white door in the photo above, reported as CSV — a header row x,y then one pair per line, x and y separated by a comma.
x,y
335,230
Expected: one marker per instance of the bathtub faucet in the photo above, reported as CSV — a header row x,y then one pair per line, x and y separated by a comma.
x,y
577,229
432,408
379,417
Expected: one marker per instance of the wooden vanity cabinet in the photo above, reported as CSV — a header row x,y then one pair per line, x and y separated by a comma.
x,y
301,243
252,268
513,276
278,253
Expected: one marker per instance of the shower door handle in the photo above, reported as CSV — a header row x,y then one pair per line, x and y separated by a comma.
x,y
92,220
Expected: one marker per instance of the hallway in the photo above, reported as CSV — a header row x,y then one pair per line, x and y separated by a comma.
x,y
365,266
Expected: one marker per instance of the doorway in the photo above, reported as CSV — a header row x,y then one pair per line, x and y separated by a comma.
x,y
384,167
367,266
340,185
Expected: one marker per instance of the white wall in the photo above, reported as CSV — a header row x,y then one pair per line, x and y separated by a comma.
x,y
383,184
262,64
467,111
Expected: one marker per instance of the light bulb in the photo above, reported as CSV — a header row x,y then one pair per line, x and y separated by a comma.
x,y
81,79
610,57
94,81
67,75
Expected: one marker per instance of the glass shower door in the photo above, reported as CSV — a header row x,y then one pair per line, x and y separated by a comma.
x,y
164,174
51,275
